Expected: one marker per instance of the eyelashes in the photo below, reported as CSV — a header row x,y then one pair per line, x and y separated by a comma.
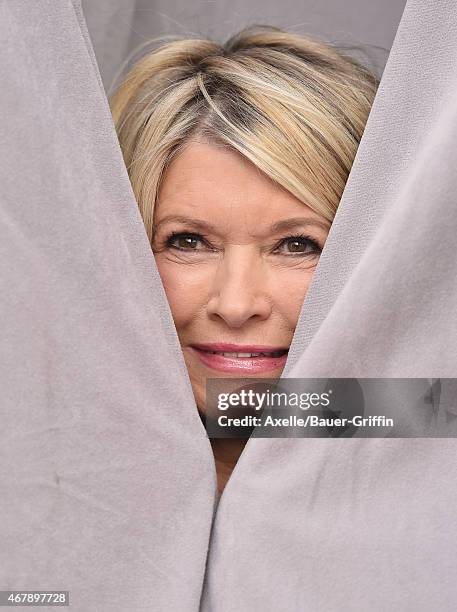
x,y
301,240
188,242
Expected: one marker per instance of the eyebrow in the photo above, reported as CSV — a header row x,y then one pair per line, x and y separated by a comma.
x,y
285,224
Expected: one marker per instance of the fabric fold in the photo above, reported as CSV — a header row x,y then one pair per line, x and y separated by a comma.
x,y
105,463
366,524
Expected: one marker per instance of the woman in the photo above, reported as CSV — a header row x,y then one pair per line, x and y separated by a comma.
x,y
238,156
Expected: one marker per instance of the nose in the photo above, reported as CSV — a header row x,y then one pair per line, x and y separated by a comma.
x,y
239,290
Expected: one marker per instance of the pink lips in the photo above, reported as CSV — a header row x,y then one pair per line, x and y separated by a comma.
x,y
241,365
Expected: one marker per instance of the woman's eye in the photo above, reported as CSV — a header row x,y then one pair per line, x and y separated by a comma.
x,y
184,242
301,245
293,245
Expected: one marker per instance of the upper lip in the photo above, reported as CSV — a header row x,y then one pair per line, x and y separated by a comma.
x,y
239,348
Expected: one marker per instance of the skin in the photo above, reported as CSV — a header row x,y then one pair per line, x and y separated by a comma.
x,y
242,282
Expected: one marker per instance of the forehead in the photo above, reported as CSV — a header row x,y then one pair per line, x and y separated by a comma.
x,y
218,184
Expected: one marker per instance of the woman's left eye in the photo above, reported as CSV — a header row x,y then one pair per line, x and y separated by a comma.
x,y
299,245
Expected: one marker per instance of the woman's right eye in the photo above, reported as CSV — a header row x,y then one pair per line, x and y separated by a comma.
x,y
184,241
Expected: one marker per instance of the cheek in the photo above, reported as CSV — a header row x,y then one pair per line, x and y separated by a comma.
x,y
186,288
289,290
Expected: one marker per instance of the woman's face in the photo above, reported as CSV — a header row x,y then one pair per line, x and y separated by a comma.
x,y
236,254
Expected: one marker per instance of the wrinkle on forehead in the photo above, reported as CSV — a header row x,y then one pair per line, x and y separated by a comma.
x,y
220,186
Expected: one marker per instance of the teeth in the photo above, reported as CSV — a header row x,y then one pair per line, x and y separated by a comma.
x,y
241,354
236,355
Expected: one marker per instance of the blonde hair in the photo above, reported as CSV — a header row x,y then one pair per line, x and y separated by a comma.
x,y
295,107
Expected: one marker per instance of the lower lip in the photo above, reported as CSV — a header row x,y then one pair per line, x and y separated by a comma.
x,y
243,365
